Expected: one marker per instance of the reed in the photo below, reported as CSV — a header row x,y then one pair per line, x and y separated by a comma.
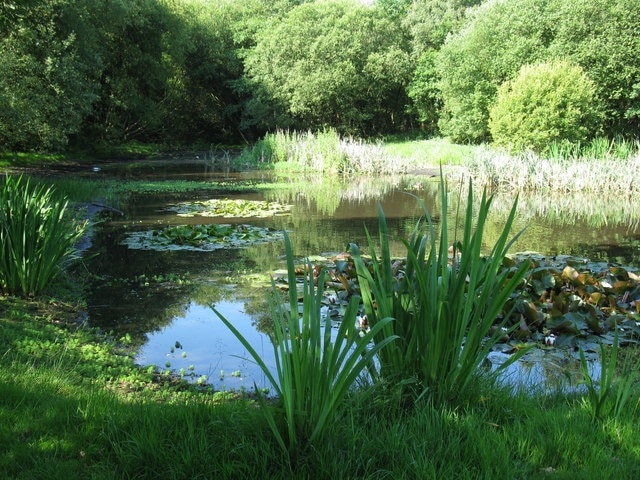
x,y
563,170
314,373
36,235
445,306
324,151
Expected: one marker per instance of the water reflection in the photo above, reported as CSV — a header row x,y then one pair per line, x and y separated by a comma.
x,y
548,374
198,344
130,293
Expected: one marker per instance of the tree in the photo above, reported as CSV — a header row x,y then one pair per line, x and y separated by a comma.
x,y
46,90
429,23
497,39
501,36
603,37
336,63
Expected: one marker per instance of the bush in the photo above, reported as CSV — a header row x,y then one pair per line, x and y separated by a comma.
x,y
36,235
499,37
545,103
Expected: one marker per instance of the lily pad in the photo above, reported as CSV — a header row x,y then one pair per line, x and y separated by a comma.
x,y
201,237
230,208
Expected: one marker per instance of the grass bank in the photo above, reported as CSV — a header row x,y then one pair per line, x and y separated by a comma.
x,y
74,405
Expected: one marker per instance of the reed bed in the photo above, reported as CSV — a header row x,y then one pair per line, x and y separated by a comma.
x,y
529,171
324,152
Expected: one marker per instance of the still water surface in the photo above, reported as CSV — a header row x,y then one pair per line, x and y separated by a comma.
x,y
136,292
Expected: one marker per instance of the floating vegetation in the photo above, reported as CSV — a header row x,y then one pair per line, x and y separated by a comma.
x,y
201,237
228,208
564,304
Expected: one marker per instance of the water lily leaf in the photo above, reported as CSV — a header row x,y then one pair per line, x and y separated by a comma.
x,y
230,208
606,284
569,273
591,346
571,323
200,237
621,286
561,302
565,340
594,324
614,320
619,273
530,312
508,262
596,297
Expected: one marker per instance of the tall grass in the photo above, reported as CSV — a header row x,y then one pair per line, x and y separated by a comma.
x,y
445,304
323,151
314,373
607,395
600,167
36,235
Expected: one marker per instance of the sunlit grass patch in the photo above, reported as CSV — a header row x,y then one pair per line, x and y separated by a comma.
x,y
432,152
17,159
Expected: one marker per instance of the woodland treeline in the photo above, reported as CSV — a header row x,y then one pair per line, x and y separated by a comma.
x,y
81,73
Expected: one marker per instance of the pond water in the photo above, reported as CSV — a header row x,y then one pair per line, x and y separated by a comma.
x,y
162,300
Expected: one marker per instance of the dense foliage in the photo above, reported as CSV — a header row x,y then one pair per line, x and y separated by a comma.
x,y
545,104
500,37
83,73
330,64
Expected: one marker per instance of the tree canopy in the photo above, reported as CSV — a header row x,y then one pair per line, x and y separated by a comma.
x,y
330,64
601,36
80,73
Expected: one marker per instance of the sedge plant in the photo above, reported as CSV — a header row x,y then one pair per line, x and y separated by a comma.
x,y
36,235
607,395
448,306
314,372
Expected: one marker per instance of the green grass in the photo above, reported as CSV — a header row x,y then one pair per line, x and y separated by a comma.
x,y
66,414
432,152
18,159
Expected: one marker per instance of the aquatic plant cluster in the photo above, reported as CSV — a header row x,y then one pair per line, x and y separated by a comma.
x,y
207,237
200,237
230,208
37,235
563,301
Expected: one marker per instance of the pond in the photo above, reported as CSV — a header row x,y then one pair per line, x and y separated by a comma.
x,y
160,298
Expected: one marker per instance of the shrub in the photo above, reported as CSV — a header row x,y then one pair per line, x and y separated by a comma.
x,y
545,103
36,235
499,37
